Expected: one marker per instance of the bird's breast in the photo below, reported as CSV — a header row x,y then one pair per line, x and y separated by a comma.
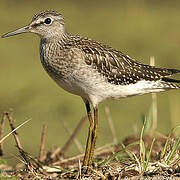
x,y
65,73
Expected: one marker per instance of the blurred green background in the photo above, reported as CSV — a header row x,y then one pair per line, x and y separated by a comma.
x,y
139,28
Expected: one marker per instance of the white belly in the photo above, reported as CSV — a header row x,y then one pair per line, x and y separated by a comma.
x,y
98,90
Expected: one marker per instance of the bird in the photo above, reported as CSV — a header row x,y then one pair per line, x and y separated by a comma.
x,y
92,70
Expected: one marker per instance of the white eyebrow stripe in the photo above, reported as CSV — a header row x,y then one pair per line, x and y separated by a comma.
x,y
41,20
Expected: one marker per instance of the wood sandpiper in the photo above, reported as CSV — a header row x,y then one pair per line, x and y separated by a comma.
x,y
92,70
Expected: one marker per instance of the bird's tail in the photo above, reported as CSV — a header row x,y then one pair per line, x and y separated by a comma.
x,y
172,83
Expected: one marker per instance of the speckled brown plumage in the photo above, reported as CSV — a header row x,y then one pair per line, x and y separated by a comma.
x,y
117,67
45,13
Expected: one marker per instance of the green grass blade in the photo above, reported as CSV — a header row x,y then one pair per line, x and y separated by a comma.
x,y
167,141
149,155
173,151
148,124
143,153
115,155
166,144
142,146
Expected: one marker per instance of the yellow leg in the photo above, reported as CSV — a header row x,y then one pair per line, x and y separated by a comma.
x,y
94,136
89,139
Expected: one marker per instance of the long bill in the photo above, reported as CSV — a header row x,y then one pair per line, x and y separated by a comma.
x,y
18,31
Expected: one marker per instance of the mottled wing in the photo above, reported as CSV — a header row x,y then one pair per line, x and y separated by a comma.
x,y
120,69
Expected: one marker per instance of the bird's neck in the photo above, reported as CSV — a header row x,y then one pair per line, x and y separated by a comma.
x,y
50,45
60,38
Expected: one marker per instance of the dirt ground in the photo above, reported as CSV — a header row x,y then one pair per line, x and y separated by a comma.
x,y
111,162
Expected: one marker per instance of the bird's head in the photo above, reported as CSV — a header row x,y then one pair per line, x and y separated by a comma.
x,y
47,24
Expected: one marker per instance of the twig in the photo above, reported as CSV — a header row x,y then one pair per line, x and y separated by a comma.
x,y
111,124
19,146
104,149
13,130
2,132
43,136
16,137
79,172
55,152
97,173
73,135
154,101
74,158
75,140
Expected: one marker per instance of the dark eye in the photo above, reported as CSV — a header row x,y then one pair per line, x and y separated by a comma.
x,y
47,21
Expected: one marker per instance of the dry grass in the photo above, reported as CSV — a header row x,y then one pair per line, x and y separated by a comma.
x,y
105,167
136,157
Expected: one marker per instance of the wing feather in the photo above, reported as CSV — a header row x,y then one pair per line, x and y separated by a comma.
x,y
119,68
